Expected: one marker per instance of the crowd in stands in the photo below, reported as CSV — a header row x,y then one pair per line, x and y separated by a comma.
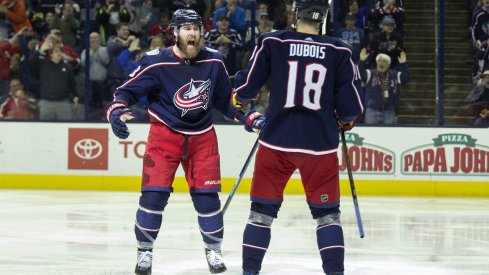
x,y
478,98
43,54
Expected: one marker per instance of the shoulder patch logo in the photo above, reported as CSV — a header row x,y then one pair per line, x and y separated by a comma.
x,y
153,52
309,39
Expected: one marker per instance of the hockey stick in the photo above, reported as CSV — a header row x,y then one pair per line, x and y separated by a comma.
x,y
352,184
241,174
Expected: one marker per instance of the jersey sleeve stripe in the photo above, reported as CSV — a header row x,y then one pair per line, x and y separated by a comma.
x,y
145,70
215,60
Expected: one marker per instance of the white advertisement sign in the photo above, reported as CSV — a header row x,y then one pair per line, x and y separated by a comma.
x,y
460,154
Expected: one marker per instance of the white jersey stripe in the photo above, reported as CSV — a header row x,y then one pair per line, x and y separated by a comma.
x,y
299,150
150,211
331,247
183,132
206,215
326,225
255,247
212,232
147,229
258,225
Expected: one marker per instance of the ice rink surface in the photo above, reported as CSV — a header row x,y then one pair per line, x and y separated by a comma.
x,y
79,232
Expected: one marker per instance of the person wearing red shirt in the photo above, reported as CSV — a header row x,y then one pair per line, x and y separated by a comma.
x,y
18,104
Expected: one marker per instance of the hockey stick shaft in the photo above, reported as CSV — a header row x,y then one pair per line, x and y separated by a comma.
x,y
352,184
240,177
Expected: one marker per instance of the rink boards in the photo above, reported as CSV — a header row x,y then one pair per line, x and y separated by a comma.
x,y
410,161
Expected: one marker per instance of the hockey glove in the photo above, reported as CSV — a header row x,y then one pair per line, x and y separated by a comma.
x,y
236,104
346,126
117,115
254,121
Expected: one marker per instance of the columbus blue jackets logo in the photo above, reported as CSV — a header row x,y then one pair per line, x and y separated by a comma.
x,y
192,96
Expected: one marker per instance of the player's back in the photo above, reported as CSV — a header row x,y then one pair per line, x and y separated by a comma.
x,y
311,76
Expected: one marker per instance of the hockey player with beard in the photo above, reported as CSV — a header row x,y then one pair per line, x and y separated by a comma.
x,y
314,89
181,83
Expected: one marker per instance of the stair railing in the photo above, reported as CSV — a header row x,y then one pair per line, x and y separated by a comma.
x,y
439,60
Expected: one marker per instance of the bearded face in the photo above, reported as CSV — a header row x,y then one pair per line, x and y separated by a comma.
x,y
189,40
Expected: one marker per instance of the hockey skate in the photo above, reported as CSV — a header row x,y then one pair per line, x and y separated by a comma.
x,y
214,260
145,260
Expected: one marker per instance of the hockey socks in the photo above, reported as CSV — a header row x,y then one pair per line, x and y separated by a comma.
x,y
149,217
212,228
256,239
330,243
210,218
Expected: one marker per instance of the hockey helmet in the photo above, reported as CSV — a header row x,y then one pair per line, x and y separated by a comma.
x,y
312,10
184,17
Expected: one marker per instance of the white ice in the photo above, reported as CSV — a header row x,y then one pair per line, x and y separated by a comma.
x,y
80,232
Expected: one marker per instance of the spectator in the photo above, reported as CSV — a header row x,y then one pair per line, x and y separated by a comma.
x,y
129,58
57,83
382,88
360,14
140,12
483,118
386,41
69,54
99,58
67,25
29,76
7,50
389,8
480,35
74,5
228,42
50,19
235,14
16,13
478,98
197,5
163,28
109,16
352,35
40,25
264,25
15,65
283,19
115,46
18,105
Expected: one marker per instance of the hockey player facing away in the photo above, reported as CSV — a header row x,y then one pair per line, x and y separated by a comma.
x,y
181,83
315,87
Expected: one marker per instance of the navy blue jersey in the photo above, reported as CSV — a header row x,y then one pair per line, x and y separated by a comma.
x,y
180,94
311,78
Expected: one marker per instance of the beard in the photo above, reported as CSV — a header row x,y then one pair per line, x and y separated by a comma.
x,y
189,49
